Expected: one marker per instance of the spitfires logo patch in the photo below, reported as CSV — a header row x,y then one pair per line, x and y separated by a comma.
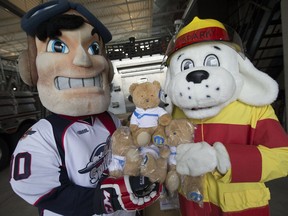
x,y
98,163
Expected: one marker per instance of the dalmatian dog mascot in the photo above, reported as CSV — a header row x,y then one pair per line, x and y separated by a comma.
x,y
60,165
239,144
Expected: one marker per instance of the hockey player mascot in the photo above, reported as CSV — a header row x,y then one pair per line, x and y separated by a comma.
x,y
60,164
239,143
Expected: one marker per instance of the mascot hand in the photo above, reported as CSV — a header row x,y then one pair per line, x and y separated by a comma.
x,y
223,160
127,192
196,159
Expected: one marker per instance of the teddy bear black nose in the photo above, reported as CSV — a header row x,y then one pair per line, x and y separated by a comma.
x,y
197,76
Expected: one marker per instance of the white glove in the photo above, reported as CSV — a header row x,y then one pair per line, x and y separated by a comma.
x,y
223,160
196,159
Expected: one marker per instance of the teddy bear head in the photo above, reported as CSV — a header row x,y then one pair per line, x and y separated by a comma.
x,y
179,131
121,141
145,95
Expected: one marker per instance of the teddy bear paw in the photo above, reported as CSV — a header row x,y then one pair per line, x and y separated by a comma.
x,y
158,140
143,138
195,196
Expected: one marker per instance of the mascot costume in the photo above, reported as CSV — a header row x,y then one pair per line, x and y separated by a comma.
x,y
239,143
61,163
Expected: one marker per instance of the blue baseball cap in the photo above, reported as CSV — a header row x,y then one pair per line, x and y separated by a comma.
x,y
37,15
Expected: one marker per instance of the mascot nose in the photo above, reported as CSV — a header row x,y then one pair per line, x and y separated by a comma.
x,y
197,76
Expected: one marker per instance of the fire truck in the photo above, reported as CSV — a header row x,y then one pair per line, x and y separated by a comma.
x,y
19,109
134,62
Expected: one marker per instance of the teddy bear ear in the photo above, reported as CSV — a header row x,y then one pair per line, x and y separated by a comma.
x,y
190,125
167,130
157,84
132,87
168,100
258,89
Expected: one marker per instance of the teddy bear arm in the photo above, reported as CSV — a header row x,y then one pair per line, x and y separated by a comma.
x,y
154,168
149,167
161,169
133,162
165,119
116,173
133,127
193,185
164,151
172,182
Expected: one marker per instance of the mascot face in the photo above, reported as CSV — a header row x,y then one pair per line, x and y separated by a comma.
x,y
204,78
73,73
205,72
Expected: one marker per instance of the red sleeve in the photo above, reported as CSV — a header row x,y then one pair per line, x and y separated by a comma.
x,y
246,160
245,163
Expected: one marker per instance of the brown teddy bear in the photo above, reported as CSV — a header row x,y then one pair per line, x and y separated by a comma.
x,y
147,127
154,164
126,158
148,120
181,131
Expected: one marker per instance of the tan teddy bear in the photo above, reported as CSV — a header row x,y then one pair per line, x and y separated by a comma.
x,y
154,164
126,158
181,131
148,120
147,127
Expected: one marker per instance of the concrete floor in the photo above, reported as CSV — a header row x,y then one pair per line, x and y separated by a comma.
x,y
12,205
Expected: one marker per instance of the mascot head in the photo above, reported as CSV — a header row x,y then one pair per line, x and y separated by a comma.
x,y
66,58
207,70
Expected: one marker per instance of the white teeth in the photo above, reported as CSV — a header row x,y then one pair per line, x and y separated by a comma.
x,y
88,82
66,83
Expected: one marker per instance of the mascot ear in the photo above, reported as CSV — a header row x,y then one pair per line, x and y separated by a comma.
x,y
27,63
111,71
168,102
258,89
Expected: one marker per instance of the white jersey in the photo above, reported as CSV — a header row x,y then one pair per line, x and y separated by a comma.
x,y
59,161
147,118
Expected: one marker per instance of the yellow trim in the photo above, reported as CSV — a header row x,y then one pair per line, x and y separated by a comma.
x,y
228,113
236,196
273,159
245,199
197,23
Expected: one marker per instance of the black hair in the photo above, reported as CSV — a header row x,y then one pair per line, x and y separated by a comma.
x,y
52,27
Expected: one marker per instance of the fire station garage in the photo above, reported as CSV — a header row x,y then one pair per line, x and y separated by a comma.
x,y
142,33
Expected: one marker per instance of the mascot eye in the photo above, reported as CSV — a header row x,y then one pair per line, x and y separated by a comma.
x,y
211,61
94,49
187,64
56,45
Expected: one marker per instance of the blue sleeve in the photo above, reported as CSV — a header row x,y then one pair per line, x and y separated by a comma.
x,y
68,198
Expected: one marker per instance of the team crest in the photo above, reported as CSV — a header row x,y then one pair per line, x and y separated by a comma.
x,y
98,163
